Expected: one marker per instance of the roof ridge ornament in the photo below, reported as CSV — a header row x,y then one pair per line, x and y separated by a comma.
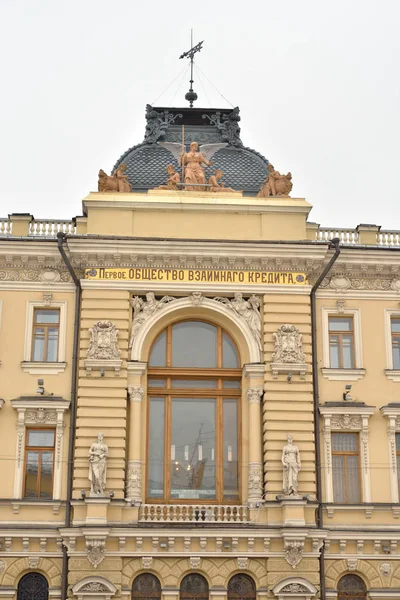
x,y
191,95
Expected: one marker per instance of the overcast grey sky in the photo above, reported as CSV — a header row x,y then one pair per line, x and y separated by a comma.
x,y
317,84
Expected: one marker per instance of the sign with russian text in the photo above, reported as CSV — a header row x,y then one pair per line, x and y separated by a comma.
x,y
163,275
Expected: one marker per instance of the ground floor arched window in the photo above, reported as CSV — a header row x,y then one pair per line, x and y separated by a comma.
x,y
241,587
352,587
146,587
33,586
194,587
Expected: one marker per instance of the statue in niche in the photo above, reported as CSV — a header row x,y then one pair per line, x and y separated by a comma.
x,y
214,184
173,180
249,310
291,467
143,309
276,184
98,455
118,182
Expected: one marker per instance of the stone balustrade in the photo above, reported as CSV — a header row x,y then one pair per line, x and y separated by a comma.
x,y
50,228
193,513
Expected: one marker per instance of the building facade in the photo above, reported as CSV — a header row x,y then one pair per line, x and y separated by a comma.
x,y
199,386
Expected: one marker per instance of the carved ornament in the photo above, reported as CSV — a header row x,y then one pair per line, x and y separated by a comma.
x,y
248,310
294,588
40,415
2,566
242,562
147,562
43,275
351,564
103,353
93,587
385,569
294,552
254,395
288,356
255,482
136,393
103,341
134,480
195,562
346,421
95,551
144,309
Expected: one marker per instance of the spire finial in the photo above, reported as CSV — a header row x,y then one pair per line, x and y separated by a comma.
x,y
191,96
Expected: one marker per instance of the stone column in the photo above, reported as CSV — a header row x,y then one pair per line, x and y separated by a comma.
x,y
134,471
255,372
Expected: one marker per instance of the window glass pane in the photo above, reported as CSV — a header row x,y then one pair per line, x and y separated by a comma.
x,y
227,384
40,438
193,449
194,344
46,316
38,344
398,442
347,345
231,464
395,325
396,353
345,442
230,359
46,475
334,352
352,475
194,383
158,352
52,345
340,324
31,474
156,449
160,383
339,489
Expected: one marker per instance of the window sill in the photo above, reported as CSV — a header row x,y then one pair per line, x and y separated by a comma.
x,y
43,368
393,374
343,374
18,504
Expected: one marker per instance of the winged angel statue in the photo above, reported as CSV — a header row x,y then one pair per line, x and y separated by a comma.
x,y
193,174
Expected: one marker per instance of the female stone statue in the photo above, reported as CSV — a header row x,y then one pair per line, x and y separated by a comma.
x,y
291,467
98,455
191,163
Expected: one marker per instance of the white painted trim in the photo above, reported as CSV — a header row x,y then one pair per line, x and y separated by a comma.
x,y
211,305
55,406
392,414
327,412
43,368
30,306
388,314
343,374
352,312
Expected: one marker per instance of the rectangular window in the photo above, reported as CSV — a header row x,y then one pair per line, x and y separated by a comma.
x,y
341,342
346,468
39,460
46,328
395,332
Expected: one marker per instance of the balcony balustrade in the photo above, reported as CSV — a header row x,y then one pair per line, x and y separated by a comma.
x,y
197,513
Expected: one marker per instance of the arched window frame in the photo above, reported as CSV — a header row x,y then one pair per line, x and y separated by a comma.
x,y
31,579
237,596
218,373
156,596
199,579
356,588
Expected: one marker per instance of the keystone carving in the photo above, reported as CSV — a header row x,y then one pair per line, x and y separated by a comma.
x,y
294,552
294,588
95,551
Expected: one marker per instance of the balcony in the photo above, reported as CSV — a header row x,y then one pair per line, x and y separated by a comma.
x,y
193,513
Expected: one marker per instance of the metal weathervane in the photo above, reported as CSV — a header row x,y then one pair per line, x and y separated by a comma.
x,y
191,96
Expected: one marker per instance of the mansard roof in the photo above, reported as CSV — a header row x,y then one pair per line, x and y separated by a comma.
x,y
244,169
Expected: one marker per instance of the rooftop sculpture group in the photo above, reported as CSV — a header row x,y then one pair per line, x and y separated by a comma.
x,y
193,174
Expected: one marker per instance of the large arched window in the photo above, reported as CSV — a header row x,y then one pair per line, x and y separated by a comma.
x,y
33,586
146,587
241,587
194,397
352,587
194,587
